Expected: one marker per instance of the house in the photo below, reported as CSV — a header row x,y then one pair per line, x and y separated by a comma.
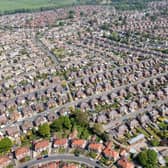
x,y
96,147
51,117
112,114
110,154
13,131
3,119
70,166
101,118
48,165
133,106
133,123
78,143
124,163
4,161
154,114
60,143
22,152
143,119
51,103
84,106
40,120
122,129
26,125
41,145
27,111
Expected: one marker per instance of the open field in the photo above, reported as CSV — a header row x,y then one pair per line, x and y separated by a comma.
x,y
9,5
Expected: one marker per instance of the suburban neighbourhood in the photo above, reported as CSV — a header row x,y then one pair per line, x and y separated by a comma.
x,y
84,86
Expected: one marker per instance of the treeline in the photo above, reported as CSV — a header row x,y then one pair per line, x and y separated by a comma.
x,y
131,4
8,12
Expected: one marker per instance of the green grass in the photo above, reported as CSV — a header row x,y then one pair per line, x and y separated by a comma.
x,y
10,5
140,130
149,130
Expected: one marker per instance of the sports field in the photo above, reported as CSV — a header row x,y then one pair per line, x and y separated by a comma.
x,y
10,5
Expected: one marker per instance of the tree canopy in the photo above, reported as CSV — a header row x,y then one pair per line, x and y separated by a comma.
x,y
148,158
44,130
5,145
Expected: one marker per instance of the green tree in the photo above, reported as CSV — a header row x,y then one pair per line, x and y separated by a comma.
x,y
152,157
67,123
155,142
5,145
61,123
56,125
143,158
97,129
81,118
148,158
44,130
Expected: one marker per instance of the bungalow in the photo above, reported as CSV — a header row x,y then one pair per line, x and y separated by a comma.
x,y
78,143
41,145
58,143
96,147
22,152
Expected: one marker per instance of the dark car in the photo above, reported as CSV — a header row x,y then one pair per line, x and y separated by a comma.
x,y
45,156
39,158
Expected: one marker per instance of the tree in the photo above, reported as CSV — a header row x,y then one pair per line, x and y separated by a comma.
x,y
152,157
148,158
61,123
67,123
81,118
5,145
44,130
97,129
56,125
142,158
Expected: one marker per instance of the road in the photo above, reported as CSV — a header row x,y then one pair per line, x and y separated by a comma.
x,y
76,102
53,57
125,118
64,157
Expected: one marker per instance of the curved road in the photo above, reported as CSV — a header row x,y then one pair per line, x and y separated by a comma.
x,y
64,157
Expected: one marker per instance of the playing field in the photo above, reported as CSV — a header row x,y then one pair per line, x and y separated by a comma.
x,y
8,5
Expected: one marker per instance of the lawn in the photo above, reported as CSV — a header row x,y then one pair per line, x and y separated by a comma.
x,y
10,5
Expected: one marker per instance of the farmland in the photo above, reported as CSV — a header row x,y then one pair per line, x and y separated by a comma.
x,y
11,5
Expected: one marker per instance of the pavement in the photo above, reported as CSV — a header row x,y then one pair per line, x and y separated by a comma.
x,y
63,157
